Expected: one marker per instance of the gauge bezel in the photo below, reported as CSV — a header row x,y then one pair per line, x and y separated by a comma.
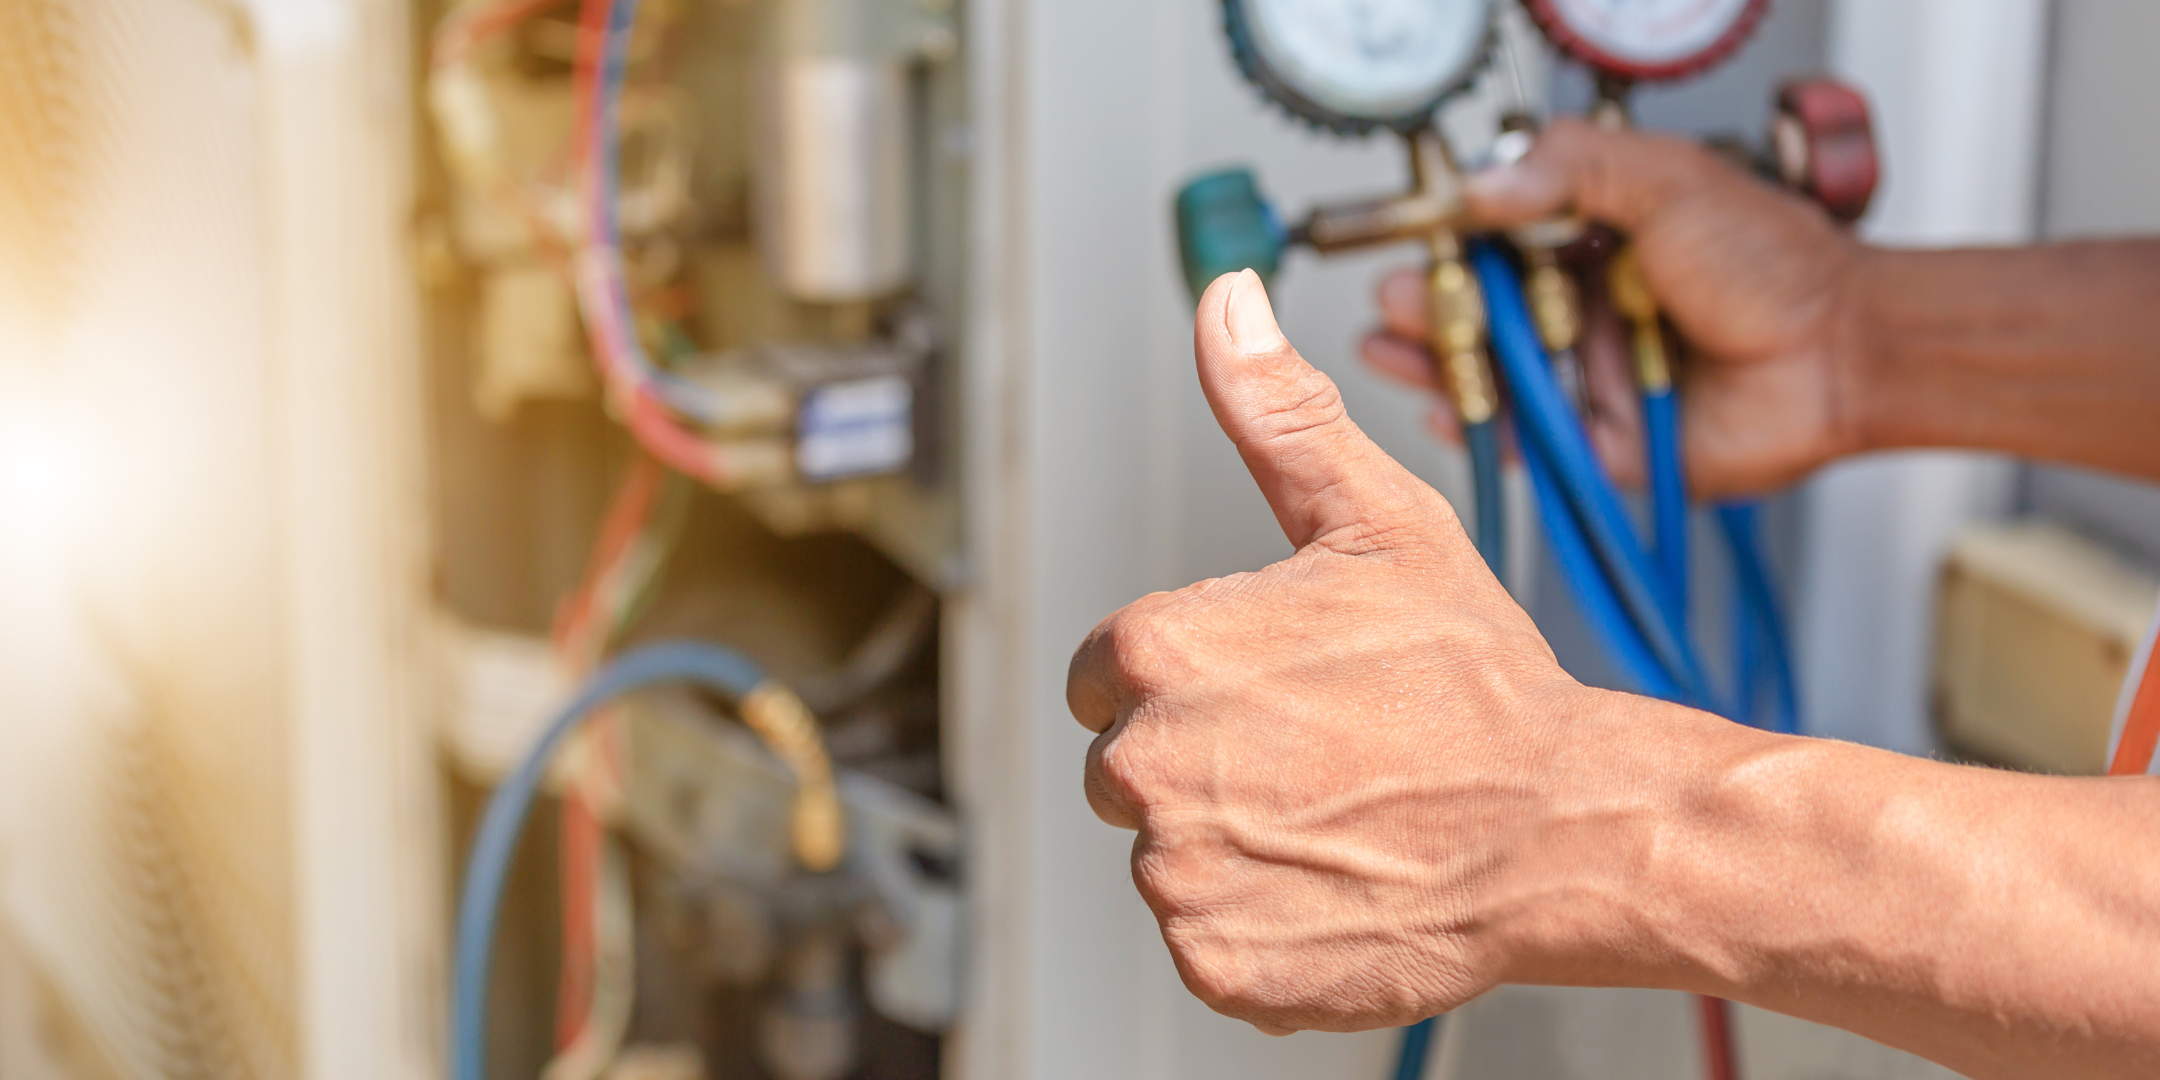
x,y
1245,49
1549,19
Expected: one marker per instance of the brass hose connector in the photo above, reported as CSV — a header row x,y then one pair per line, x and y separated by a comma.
x,y
818,826
1631,297
1458,337
1552,299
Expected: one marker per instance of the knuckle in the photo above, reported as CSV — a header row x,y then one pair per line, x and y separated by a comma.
x,y
1123,769
1151,876
1157,875
1141,643
1221,981
1109,809
1305,402
1563,134
1181,876
1696,169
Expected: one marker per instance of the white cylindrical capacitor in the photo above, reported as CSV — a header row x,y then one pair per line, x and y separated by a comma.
x,y
833,197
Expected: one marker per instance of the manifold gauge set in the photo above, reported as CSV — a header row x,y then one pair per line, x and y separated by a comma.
x,y
1352,66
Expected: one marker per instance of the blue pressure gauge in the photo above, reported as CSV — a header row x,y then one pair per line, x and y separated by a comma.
x,y
1351,66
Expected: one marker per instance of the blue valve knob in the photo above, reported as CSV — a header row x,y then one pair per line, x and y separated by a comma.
x,y
1224,226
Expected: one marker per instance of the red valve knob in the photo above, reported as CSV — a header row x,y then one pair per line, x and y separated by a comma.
x,y
1824,144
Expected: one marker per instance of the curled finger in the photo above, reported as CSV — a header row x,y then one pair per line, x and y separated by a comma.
x,y
1399,359
1107,798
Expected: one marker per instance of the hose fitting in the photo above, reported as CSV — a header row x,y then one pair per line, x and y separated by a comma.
x,y
1631,296
819,828
1458,339
1552,299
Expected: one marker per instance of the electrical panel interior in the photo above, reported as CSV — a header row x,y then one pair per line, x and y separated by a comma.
x,y
693,275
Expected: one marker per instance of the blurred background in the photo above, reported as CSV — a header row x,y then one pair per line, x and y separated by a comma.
x,y
347,422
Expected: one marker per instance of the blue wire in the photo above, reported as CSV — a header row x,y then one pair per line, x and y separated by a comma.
x,y
673,662
1545,419
689,399
1756,595
1483,441
1668,499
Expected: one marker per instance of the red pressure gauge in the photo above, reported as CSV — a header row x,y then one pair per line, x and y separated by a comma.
x,y
1647,40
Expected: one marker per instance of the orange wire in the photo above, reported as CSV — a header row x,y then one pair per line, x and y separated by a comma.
x,y
584,74
459,36
579,638
2141,729
625,519
580,844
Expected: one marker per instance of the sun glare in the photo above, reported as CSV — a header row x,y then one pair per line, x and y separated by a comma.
x,y
42,474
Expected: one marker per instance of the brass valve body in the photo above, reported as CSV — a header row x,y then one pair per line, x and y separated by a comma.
x,y
1458,338
1631,297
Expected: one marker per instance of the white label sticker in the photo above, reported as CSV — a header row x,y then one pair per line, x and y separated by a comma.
x,y
856,427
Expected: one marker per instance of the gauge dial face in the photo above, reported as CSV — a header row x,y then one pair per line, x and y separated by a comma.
x,y
1648,39
1367,60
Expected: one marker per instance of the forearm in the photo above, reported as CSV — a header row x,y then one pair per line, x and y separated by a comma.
x,y
2050,352
2002,924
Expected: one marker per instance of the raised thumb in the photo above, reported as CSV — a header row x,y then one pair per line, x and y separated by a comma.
x,y
1327,482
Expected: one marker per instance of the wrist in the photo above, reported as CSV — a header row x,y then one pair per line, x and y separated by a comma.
x,y
1859,350
1617,888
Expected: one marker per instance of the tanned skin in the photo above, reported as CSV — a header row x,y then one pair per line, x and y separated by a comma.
x,y
1365,792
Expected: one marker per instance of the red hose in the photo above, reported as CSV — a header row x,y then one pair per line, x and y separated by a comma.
x,y
1721,1059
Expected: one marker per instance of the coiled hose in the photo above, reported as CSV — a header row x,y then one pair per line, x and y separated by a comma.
x,y
707,666
1551,433
1638,609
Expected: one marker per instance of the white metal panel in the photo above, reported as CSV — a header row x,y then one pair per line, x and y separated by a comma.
x,y
2103,180
1957,87
367,831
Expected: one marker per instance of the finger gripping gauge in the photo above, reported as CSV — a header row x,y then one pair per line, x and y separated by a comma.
x,y
1648,40
1824,145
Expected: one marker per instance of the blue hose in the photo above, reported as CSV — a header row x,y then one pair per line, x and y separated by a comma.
x,y
1637,609
1546,421
1491,536
1759,630
1748,663
1594,597
1668,499
1416,1044
673,662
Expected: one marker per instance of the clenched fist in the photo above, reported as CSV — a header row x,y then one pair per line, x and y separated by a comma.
x,y
1351,771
